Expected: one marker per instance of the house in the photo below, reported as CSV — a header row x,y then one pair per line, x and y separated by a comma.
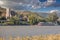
x,y
2,13
6,12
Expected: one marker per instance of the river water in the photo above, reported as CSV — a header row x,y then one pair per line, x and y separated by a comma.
x,y
6,31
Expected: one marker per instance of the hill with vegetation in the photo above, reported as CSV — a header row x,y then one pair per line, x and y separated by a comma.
x,y
30,18
27,17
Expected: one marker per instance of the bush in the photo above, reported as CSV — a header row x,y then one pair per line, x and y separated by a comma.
x,y
10,23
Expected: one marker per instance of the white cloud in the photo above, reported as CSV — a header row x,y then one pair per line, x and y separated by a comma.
x,y
51,0
1,2
56,11
36,7
20,3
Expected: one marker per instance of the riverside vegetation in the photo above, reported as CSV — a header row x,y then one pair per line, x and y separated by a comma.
x,y
41,37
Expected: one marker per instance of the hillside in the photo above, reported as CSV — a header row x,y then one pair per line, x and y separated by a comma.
x,y
43,14
26,18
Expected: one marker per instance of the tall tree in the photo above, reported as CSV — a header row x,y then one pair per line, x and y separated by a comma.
x,y
52,17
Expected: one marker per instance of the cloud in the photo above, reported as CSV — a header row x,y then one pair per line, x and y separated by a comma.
x,y
52,11
56,5
25,4
38,4
49,3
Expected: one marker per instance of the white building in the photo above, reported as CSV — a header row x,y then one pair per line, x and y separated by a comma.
x,y
8,13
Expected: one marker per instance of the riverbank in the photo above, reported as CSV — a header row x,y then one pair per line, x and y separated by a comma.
x,y
40,37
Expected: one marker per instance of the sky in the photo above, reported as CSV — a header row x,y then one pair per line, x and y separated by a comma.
x,y
31,5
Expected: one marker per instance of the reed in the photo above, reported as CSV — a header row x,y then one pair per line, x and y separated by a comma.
x,y
40,37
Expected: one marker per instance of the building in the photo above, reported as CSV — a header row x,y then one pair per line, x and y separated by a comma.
x,y
6,12
2,12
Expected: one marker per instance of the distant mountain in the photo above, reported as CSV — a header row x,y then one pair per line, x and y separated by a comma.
x,y
43,14
46,14
29,12
40,13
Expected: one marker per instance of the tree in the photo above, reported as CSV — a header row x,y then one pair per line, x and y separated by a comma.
x,y
52,17
14,20
34,19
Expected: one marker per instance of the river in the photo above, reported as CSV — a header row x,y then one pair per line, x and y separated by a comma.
x,y
6,31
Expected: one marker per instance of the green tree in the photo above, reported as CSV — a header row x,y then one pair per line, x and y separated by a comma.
x,y
33,19
52,17
14,19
